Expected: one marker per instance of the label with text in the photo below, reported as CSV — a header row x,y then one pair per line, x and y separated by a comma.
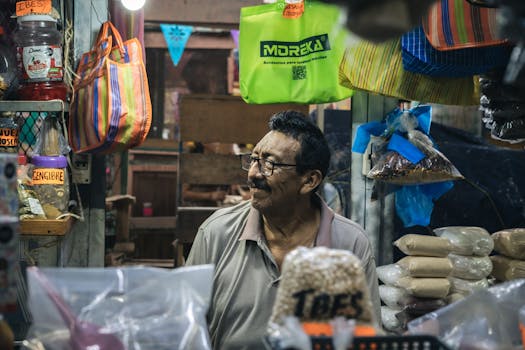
x,y
48,176
24,8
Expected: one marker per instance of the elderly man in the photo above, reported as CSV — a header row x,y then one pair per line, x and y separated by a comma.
x,y
248,242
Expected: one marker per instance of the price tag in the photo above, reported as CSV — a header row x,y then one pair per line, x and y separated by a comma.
x,y
293,9
29,7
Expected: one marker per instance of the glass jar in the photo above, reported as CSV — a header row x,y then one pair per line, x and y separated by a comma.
x,y
7,67
8,133
50,181
39,58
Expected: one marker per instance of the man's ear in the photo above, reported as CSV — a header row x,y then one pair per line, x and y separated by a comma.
x,y
311,180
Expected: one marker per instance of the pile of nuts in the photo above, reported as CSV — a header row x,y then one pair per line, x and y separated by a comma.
x,y
319,284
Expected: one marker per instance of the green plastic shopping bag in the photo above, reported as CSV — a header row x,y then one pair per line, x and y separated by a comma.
x,y
291,55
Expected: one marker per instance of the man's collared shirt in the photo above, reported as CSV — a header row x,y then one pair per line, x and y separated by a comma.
x,y
246,276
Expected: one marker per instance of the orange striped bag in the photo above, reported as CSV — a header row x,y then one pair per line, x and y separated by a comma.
x,y
457,24
378,68
111,107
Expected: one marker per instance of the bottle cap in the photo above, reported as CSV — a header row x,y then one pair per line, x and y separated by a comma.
x,y
27,18
49,161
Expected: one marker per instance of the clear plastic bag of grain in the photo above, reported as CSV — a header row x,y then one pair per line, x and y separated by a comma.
x,y
319,284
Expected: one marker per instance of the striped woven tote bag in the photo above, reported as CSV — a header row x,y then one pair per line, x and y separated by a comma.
x,y
378,68
111,108
419,56
457,24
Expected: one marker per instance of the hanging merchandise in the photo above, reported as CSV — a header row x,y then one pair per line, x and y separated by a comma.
x,y
381,20
111,107
457,24
408,159
511,24
39,58
290,52
503,108
379,69
8,79
420,57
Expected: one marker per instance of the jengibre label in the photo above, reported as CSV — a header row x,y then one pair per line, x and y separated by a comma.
x,y
48,176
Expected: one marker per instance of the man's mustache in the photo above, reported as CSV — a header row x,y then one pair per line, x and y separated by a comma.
x,y
259,184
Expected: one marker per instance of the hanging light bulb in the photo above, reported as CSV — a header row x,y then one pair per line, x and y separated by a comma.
x,y
133,5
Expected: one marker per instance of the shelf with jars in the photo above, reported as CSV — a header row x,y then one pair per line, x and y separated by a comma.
x,y
44,201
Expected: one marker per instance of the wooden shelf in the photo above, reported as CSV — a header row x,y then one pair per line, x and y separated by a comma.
x,y
32,106
46,227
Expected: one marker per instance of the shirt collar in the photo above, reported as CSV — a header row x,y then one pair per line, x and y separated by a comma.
x,y
253,231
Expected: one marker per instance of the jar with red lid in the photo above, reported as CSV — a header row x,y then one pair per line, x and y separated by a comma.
x,y
39,58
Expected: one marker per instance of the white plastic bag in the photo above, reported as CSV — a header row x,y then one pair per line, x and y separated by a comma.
x,y
132,308
486,319
467,240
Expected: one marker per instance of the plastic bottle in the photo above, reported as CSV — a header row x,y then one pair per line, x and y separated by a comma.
x,y
39,58
7,67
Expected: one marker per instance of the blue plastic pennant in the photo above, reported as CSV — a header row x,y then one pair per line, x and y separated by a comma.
x,y
176,37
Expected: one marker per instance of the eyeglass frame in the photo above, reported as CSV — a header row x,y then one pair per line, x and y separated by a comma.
x,y
263,170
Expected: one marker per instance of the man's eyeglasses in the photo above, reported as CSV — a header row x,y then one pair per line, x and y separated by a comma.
x,y
265,166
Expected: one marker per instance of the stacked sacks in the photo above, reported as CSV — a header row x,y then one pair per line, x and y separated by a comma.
x,y
416,284
471,247
509,262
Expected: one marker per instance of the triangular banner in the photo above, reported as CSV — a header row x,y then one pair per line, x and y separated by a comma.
x,y
176,37
235,36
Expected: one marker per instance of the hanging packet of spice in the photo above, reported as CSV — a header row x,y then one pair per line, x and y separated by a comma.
x,y
51,141
412,159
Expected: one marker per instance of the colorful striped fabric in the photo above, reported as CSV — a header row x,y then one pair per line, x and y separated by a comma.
x,y
378,68
111,107
421,57
456,24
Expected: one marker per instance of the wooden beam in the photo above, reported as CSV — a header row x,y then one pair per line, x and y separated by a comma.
x,y
227,119
196,11
155,40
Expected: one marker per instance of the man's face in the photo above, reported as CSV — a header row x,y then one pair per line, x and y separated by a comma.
x,y
281,189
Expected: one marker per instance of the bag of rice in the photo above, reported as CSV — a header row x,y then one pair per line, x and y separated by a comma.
x,y
393,297
389,274
460,285
506,269
424,266
470,267
414,244
467,240
510,242
425,287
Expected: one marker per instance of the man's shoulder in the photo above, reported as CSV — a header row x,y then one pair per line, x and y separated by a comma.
x,y
232,211
348,234
228,218
344,223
